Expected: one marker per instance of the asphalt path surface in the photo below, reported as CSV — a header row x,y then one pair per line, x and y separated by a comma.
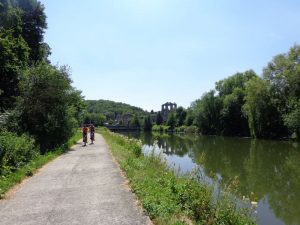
x,y
83,186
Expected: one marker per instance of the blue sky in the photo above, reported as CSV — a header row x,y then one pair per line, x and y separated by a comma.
x,y
148,52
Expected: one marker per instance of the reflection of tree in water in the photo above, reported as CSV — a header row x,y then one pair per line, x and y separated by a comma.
x,y
265,162
267,168
173,145
273,171
221,155
147,138
285,195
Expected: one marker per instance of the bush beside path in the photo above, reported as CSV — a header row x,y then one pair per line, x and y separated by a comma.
x,y
83,186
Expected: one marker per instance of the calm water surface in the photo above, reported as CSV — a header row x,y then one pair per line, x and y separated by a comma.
x,y
266,171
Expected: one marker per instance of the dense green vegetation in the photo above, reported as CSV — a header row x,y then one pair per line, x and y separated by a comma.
x,y
39,109
15,151
160,128
111,110
245,104
147,123
22,25
22,159
35,97
167,197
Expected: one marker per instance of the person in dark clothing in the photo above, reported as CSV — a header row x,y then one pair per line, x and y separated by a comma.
x,y
84,134
92,133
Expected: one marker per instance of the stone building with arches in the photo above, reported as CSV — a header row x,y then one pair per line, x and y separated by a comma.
x,y
167,108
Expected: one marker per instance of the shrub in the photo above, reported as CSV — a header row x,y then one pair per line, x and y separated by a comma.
x,y
160,128
180,129
191,129
48,106
156,128
137,149
15,151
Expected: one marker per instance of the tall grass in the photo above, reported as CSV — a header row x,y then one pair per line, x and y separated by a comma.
x,y
167,197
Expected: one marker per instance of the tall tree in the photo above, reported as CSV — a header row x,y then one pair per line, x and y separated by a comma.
x,y
45,106
189,120
10,18
33,28
13,58
159,118
22,25
207,113
171,122
283,73
180,115
147,124
232,92
135,122
263,117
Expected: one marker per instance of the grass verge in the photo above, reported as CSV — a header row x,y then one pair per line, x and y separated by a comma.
x,y
169,198
9,180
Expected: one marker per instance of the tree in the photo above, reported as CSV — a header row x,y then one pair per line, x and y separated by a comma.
x,y
10,18
238,80
26,18
135,122
95,118
207,113
147,124
232,92
159,118
171,120
78,104
283,73
13,58
292,119
264,119
180,115
33,28
189,120
22,25
45,106
111,109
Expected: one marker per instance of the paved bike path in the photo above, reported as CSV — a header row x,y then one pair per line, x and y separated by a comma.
x,y
83,186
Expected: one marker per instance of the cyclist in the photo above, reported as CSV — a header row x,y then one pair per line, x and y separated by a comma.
x,y
84,134
92,133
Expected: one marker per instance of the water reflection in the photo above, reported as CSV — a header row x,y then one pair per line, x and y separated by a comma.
x,y
267,171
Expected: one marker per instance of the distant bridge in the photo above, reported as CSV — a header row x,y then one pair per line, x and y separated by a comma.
x,y
121,128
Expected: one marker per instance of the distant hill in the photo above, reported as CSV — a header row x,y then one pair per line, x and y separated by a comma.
x,y
112,109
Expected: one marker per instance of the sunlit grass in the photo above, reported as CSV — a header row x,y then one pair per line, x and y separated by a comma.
x,y
166,197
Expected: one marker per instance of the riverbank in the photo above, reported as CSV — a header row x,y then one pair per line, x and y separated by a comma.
x,y
167,197
9,180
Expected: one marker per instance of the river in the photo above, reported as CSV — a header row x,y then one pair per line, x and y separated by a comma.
x,y
264,171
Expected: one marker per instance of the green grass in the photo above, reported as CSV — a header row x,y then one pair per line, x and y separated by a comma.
x,y
169,198
9,180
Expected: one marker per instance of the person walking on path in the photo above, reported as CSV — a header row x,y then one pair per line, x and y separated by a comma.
x,y
78,188
92,133
84,134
